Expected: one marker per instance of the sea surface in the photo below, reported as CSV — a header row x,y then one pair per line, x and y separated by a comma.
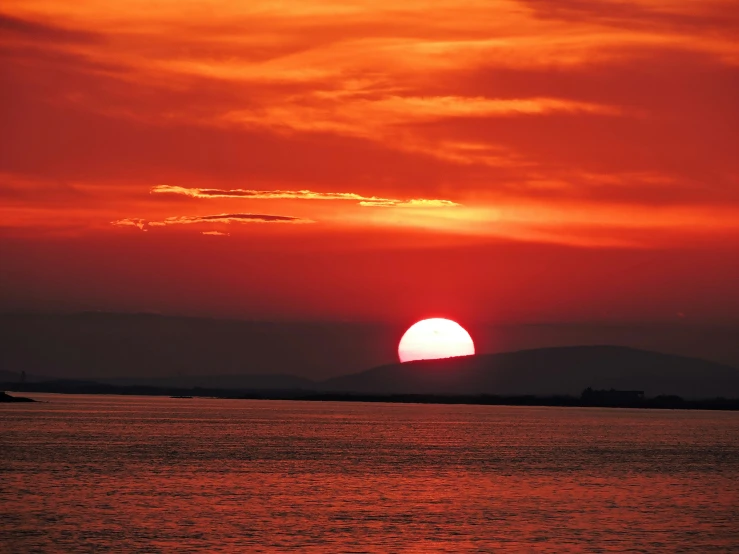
x,y
146,474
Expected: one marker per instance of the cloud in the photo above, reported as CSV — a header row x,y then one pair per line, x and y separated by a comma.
x,y
690,16
359,116
368,117
145,225
41,31
132,222
215,233
226,218
583,107
371,201
380,118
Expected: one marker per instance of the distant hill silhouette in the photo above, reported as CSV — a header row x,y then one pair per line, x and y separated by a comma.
x,y
548,371
17,377
100,346
239,382
153,351
108,346
214,382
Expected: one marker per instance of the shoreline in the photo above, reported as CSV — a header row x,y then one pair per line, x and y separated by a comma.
x,y
659,402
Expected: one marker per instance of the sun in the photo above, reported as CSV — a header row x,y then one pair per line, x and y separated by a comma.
x,y
430,339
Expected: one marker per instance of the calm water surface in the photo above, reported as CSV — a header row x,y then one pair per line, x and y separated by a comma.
x,y
139,474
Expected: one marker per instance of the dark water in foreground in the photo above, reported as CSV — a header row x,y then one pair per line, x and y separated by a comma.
x,y
141,474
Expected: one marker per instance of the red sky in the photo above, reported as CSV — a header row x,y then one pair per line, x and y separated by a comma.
x,y
492,161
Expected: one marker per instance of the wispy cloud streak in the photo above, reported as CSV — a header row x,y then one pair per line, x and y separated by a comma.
x,y
370,201
145,225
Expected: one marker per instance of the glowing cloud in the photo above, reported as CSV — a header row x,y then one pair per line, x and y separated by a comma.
x,y
132,222
372,201
537,115
220,218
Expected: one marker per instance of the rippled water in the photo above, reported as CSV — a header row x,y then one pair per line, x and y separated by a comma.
x,y
95,473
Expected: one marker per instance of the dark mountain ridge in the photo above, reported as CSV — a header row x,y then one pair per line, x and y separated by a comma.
x,y
541,372
547,372
102,346
244,382
109,346
214,382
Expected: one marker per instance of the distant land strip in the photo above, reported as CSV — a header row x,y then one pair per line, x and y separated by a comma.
x,y
658,402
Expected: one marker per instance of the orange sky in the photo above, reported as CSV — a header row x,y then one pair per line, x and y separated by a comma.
x,y
496,160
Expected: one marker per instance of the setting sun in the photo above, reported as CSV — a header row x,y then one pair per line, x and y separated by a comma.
x,y
430,339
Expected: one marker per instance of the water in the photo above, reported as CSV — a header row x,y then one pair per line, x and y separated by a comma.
x,y
139,474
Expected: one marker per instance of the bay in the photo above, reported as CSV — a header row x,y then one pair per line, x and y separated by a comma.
x,y
84,473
